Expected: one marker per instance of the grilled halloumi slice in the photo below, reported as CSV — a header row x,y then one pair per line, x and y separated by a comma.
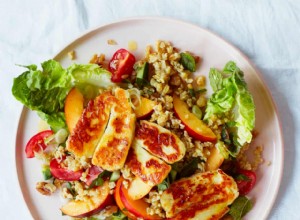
x,y
160,142
147,167
148,170
91,126
112,150
201,196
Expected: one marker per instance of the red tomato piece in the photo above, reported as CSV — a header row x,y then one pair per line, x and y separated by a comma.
x,y
37,143
246,184
93,173
121,65
63,173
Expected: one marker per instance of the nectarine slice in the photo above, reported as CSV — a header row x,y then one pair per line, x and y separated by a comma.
x,y
145,109
92,205
73,108
214,159
118,200
138,189
137,207
193,125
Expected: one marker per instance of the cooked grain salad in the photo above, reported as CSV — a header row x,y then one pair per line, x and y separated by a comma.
x,y
142,139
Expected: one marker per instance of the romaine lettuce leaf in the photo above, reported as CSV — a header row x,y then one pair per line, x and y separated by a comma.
x,y
45,90
232,99
88,78
240,207
90,74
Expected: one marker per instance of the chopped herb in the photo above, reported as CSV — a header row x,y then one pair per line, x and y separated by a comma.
x,y
190,168
231,124
242,177
172,175
99,180
188,61
192,92
240,207
126,81
119,216
200,91
71,190
46,172
164,185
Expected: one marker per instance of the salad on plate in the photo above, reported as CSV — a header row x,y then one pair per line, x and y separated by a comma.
x,y
135,138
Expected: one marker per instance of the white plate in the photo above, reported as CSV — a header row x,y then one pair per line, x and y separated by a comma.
x,y
214,51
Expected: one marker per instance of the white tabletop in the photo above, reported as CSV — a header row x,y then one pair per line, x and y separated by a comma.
x,y
268,32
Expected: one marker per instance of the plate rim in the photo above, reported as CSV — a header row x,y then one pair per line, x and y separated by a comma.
x,y
186,23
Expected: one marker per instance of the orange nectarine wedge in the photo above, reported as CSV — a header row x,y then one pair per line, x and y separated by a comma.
x,y
214,159
73,108
194,126
145,108
118,199
92,205
138,188
136,208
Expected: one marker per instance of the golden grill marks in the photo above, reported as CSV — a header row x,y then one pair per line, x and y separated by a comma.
x,y
160,142
201,196
148,170
152,148
147,167
112,150
91,126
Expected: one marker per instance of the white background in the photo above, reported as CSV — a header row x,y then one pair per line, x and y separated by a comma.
x,y
268,32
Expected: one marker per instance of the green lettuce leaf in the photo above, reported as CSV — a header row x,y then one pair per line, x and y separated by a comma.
x,y
88,78
45,90
232,99
215,78
240,207
90,74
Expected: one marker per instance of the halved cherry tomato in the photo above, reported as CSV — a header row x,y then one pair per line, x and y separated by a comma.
x,y
62,173
121,65
246,181
93,173
37,143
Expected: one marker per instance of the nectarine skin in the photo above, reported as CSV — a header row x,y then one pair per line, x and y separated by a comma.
x,y
145,109
119,202
73,108
109,201
91,206
194,126
214,159
136,207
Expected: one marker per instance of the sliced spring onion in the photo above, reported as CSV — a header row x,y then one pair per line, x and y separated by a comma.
x,y
197,111
61,136
115,176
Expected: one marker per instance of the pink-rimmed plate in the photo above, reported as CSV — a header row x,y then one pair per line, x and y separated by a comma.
x,y
214,51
